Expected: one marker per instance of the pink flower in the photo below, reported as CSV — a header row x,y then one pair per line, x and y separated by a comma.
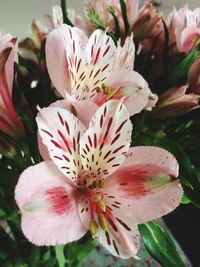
x,y
184,29
194,77
94,69
9,120
175,102
95,182
144,22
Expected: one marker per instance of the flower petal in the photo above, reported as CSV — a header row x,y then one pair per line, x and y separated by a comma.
x,y
121,238
58,72
105,143
90,75
125,55
48,208
132,87
146,184
60,131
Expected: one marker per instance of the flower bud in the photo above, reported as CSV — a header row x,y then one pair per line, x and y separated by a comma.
x,y
176,102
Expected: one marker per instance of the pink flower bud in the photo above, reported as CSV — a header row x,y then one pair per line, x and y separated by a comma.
x,y
184,29
194,77
9,121
176,102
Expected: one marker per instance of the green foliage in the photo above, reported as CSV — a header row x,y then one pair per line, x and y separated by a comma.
x,y
160,245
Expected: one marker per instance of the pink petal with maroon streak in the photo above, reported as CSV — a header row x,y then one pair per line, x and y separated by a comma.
x,y
61,131
121,238
146,184
57,62
104,145
47,204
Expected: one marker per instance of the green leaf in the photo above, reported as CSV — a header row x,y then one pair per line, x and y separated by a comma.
x,y
6,244
124,15
185,200
117,28
160,245
64,11
59,250
178,73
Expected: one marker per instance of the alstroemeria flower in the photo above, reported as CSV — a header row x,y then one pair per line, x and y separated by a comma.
x,y
95,68
175,102
95,182
9,121
41,27
184,29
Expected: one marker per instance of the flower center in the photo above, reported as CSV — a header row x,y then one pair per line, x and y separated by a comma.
x,y
93,195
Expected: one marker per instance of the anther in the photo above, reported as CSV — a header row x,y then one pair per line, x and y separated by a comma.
x,y
102,221
93,226
102,205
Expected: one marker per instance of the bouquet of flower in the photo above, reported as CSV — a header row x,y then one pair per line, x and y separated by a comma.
x,y
99,135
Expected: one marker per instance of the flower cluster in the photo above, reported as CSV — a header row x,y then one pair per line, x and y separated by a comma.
x,y
78,96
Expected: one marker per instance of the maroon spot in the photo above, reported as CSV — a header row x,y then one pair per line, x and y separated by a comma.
x,y
67,127
97,55
110,159
66,158
87,147
119,148
101,121
106,51
115,246
96,83
74,143
56,144
70,33
107,154
81,76
107,41
105,110
57,157
120,127
113,225
107,238
78,66
115,206
111,196
115,165
115,139
108,127
78,138
47,132
96,73
124,224
92,51
82,210
61,119
90,140
91,73
65,141
105,67
95,140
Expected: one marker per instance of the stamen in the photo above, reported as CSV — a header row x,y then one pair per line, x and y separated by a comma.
x,y
96,197
93,226
101,183
102,221
102,205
